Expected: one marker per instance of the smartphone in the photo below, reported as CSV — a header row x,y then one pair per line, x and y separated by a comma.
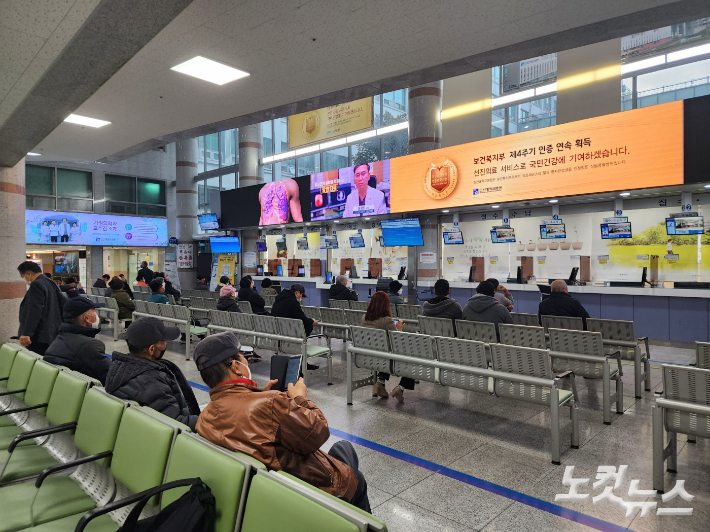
x,y
396,322
285,369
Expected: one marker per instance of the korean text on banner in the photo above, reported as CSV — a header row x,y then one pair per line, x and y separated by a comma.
x,y
329,122
184,256
225,266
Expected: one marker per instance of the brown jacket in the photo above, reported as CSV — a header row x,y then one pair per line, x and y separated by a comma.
x,y
282,433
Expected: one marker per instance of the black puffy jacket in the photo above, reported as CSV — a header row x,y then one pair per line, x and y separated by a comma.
x,y
76,348
342,293
257,302
562,304
228,304
41,311
287,306
153,383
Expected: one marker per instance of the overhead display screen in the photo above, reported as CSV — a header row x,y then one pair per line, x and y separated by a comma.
x,y
208,221
357,241
361,190
501,235
402,232
640,148
452,235
94,229
616,230
225,244
685,226
552,230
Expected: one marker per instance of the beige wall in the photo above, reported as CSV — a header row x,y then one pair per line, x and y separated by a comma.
x,y
465,89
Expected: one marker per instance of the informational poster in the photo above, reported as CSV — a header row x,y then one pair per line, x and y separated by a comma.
x,y
214,277
185,256
250,259
94,229
427,257
225,266
329,122
82,272
641,148
170,268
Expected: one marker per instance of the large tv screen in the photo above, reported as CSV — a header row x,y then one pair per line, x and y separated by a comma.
x,y
279,202
616,230
225,244
361,190
331,242
402,232
501,235
208,221
83,229
552,231
691,225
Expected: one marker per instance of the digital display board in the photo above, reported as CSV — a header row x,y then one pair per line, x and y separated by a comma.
x,y
302,243
208,221
452,235
501,235
552,231
616,230
225,244
685,226
331,242
261,245
84,229
357,241
355,191
402,232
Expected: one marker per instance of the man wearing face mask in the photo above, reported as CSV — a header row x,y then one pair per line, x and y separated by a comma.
x,y
283,430
143,377
75,347
395,293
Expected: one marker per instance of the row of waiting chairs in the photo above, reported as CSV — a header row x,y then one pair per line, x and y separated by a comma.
x,y
79,458
173,315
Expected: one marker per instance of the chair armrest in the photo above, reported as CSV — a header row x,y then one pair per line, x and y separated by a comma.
x,y
23,409
110,507
644,339
570,374
68,465
617,356
37,433
13,392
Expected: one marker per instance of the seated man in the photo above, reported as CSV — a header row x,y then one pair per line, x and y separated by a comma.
x,y
143,377
75,346
484,307
158,289
288,305
504,297
340,290
442,306
560,303
395,293
247,293
102,282
201,283
283,430
70,289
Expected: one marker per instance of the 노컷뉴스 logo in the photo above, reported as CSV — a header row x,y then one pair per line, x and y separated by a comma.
x,y
609,480
440,178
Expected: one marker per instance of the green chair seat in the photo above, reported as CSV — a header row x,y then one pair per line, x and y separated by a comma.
x,y
26,461
6,421
67,524
316,351
564,395
194,329
59,497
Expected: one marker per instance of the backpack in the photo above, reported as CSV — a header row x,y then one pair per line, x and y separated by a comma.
x,y
193,512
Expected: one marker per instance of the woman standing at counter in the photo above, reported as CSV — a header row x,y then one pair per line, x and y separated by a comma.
x,y
379,316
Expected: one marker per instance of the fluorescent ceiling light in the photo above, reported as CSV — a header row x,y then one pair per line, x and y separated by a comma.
x,y
332,144
361,136
625,194
390,129
284,155
546,89
267,160
707,186
309,149
495,206
466,108
445,210
33,154
553,201
522,95
640,65
86,121
208,70
689,52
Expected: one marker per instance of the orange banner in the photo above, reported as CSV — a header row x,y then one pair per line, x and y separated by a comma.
x,y
641,148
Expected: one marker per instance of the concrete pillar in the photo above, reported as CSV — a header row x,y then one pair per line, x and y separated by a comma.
x,y
466,105
251,149
425,117
12,242
95,264
186,203
588,81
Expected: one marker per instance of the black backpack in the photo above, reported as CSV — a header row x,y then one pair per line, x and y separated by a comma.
x,y
193,512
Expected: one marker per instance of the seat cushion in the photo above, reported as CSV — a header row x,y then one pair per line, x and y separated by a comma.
x,y
102,523
26,461
59,497
564,395
317,351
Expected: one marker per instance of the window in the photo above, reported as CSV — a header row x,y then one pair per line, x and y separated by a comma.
x,y
63,189
151,191
135,195
229,182
280,135
335,159
268,138
285,169
211,152
228,153
309,164
200,154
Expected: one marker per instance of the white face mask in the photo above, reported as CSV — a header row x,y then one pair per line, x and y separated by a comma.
x,y
248,370
96,324
399,292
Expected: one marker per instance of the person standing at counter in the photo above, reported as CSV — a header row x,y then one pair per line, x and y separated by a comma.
x,y
146,273
504,297
340,290
395,293
364,200
560,303
247,293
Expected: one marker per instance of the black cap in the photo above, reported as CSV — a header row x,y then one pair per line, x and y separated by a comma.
x,y
441,287
148,331
69,280
298,287
215,349
76,306
395,286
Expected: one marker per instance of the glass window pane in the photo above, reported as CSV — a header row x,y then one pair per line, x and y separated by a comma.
x,y
268,173
120,188
211,152
229,182
150,210
200,154
41,203
394,107
280,135
200,192
268,138
377,108
285,169
121,208
366,152
498,122
72,205
212,186
335,159
151,191
74,184
309,164
676,83
39,180
626,94
394,145
226,148
532,115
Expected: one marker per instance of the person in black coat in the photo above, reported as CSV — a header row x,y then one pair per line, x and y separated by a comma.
x,y
226,299
70,289
340,290
560,303
40,310
143,377
102,282
75,347
201,283
146,273
288,305
247,293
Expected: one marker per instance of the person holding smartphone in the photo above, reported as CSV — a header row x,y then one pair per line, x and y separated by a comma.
x,y
283,430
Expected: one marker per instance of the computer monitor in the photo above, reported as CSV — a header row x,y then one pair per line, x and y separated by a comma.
x,y
279,270
329,278
519,275
573,275
353,272
260,270
301,271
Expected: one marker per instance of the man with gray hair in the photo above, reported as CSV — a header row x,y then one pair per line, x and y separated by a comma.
x,y
341,291
560,303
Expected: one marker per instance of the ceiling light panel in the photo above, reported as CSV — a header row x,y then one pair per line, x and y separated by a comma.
x,y
208,70
86,121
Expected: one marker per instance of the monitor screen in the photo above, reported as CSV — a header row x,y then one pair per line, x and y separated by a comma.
x,y
225,244
281,250
66,263
402,232
301,270
261,245
685,226
302,243
501,235
616,230
357,241
208,221
552,231
331,242
453,236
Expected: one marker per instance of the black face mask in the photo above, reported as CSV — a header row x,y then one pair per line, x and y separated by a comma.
x,y
161,354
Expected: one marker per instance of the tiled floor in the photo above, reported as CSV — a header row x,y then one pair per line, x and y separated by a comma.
x,y
500,441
